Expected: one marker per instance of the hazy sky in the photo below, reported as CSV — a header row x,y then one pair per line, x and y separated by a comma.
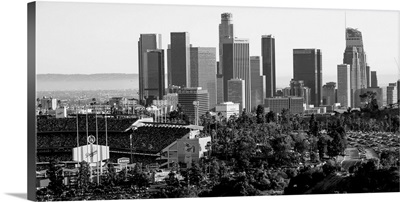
x,y
88,38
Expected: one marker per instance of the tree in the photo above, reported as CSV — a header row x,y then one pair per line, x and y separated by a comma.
x,y
56,178
260,114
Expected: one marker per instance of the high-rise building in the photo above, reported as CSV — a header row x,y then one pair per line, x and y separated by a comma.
x,y
203,71
368,72
268,66
307,66
155,88
187,97
297,89
236,92
146,42
391,93
355,56
328,93
344,87
180,59
398,91
236,64
220,85
169,79
225,34
374,80
257,83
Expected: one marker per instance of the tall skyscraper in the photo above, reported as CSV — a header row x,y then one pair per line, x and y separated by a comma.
x,y
146,42
257,82
155,88
268,66
307,66
355,56
225,34
344,87
203,71
374,80
220,85
180,59
186,97
236,64
236,92
368,71
328,93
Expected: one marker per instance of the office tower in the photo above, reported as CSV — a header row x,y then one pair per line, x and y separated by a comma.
x,y
187,97
225,34
368,75
203,71
344,88
236,92
374,80
155,88
355,56
354,44
268,66
257,83
307,66
180,59
169,79
236,64
277,104
398,91
391,93
328,93
298,89
220,85
146,42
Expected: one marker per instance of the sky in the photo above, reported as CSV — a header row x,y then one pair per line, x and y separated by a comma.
x,y
89,38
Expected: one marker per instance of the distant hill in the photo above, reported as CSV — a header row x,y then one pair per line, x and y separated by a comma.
x,y
64,82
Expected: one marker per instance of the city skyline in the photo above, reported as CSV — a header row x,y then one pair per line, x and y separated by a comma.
x,y
97,35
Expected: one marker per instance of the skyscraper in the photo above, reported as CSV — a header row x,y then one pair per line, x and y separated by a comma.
x,y
203,71
268,66
257,82
155,88
374,80
236,92
186,97
307,66
225,34
344,88
236,64
220,85
368,71
355,56
180,59
298,89
328,93
146,42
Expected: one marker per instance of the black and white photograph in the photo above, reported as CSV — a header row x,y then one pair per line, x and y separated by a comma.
x,y
150,101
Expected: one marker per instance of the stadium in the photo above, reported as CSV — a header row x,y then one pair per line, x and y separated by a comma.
x,y
139,141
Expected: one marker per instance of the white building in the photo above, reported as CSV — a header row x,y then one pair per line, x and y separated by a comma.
x,y
228,109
